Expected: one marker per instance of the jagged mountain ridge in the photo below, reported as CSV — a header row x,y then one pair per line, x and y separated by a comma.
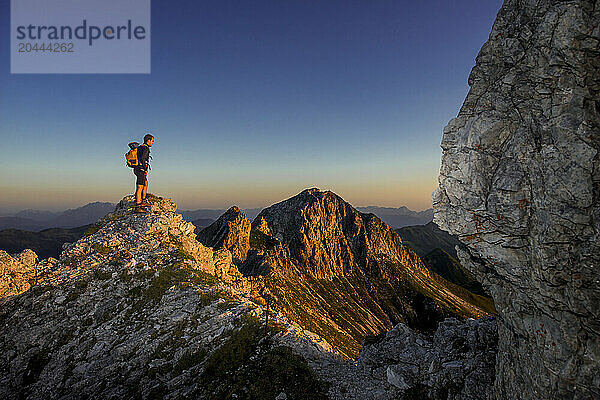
x,y
138,308
340,273
223,233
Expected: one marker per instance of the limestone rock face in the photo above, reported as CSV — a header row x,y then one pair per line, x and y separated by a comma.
x,y
231,231
346,275
520,185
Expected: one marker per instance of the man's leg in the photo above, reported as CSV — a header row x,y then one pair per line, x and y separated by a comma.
x,y
144,190
139,191
138,194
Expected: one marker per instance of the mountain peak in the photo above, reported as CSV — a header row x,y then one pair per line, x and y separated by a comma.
x,y
230,231
320,243
234,210
311,191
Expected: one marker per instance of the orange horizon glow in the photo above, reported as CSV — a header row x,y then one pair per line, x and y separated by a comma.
x,y
415,195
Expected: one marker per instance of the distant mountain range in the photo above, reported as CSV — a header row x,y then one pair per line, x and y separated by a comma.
x,y
38,220
399,217
437,250
423,239
394,217
46,243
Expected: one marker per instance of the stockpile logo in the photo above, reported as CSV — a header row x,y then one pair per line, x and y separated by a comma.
x,y
80,36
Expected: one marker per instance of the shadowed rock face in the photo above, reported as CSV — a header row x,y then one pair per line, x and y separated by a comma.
x,y
520,185
456,363
437,250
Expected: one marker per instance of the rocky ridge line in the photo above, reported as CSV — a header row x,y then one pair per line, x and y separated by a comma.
x,y
133,309
337,272
135,305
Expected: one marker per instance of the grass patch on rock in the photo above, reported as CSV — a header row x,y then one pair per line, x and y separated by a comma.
x,y
41,289
180,254
92,229
78,288
177,275
247,366
189,359
75,260
102,275
102,249
207,298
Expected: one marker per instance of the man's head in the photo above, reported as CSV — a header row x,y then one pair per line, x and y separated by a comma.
x,y
148,140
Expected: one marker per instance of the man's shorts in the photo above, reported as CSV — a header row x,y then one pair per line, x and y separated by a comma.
x,y
141,176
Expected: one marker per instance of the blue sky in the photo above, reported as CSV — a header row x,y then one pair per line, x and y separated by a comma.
x,y
250,103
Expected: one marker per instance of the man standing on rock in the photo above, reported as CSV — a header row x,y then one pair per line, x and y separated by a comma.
x,y
141,174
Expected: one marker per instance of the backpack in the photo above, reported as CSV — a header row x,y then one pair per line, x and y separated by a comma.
x,y
131,155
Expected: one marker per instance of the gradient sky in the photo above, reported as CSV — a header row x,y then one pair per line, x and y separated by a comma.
x,y
251,102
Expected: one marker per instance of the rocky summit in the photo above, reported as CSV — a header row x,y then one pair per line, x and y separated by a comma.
x,y
520,186
338,272
138,308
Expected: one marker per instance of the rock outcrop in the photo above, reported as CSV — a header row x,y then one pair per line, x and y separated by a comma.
x,y
347,275
456,363
20,272
520,185
231,231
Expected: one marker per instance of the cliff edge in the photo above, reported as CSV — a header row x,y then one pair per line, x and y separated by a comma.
x,y
520,185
